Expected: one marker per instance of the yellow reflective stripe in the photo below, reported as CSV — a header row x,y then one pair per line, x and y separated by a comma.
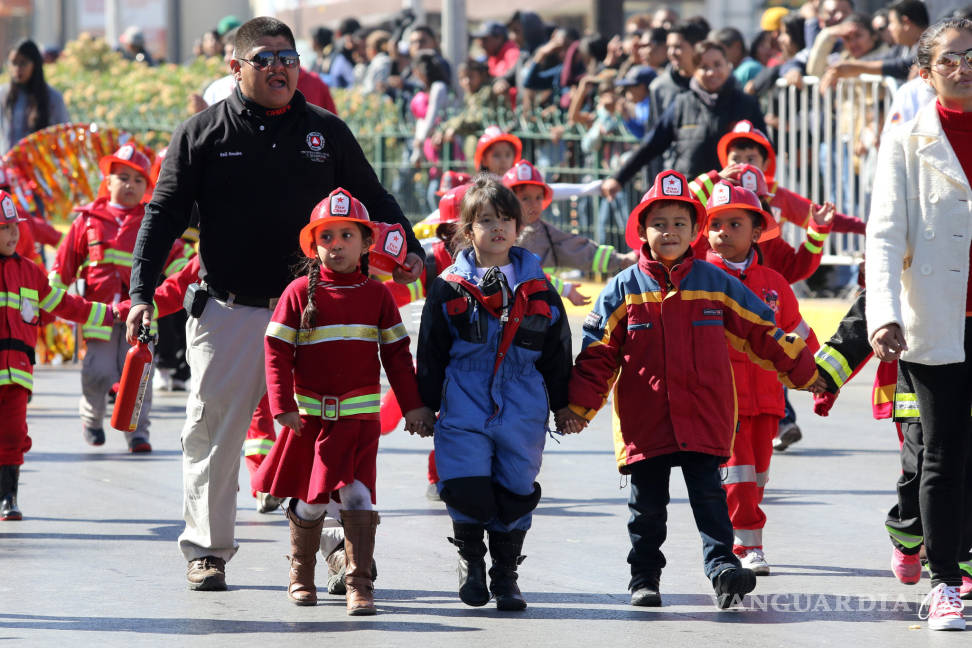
x,y
10,300
338,332
906,405
282,332
416,290
363,404
11,376
53,299
601,258
253,447
834,363
819,237
118,257
558,285
97,315
394,334
177,265
814,249
966,566
308,406
96,332
906,540
30,293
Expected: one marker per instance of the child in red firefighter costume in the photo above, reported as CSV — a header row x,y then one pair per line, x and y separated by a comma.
x,y
747,145
97,253
24,295
493,361
334,316
658,334
735,222
497,152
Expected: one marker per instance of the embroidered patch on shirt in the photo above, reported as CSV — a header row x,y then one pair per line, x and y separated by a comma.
x,y
712,311
593,322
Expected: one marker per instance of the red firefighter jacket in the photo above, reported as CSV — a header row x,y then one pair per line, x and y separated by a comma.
x,y
759,391
335,364
660,338
98,250
24,295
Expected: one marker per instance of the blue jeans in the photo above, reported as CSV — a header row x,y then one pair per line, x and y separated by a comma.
x,y
608,209
648,503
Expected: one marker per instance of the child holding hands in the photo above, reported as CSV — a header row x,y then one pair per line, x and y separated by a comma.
x,y
493,360
323,345
673,386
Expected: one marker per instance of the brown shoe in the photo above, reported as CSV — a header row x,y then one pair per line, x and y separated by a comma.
x,y
305,541
207,574
359,547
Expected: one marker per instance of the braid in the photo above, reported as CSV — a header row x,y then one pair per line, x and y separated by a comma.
x,y
309,317
364,265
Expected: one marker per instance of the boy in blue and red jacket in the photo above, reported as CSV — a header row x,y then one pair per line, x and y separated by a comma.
x,y
658,333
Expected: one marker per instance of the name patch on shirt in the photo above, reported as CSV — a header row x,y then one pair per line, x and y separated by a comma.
x,y
712,311
592,322
316,156
227,154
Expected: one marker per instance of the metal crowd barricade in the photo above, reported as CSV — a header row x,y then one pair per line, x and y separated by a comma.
x,y
826,143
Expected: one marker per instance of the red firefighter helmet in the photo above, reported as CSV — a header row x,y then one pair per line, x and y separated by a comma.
x,y
339,206
523,173
751,177
491,136
449,205
8,210
744,130
132,158
157,165
451,180
727,196
669,185
389,249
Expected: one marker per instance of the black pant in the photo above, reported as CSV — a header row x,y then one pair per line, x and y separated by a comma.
x,y
648,504
904,518
944,400
170,352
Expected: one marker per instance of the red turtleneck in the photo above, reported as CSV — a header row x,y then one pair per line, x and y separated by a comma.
x,y
958,129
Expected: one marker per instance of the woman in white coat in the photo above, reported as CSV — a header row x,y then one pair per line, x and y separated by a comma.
x,y
919,299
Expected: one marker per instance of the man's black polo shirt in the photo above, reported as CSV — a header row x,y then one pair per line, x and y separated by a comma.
x,y
255,176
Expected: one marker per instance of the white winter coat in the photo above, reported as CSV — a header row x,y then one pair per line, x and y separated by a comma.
x,y
918,237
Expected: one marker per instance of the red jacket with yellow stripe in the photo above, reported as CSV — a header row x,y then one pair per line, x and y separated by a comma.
x,y
759,391
98,249
24,295
357,321
660,337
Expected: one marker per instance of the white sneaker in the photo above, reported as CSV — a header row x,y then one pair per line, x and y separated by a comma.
x,y
162,380
755,560
944,609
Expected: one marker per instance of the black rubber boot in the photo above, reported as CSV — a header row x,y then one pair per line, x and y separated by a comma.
x,y
504,549
472,565
646,592
9,478
732,584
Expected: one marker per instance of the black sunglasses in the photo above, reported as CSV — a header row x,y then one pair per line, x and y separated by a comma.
x,y
262,60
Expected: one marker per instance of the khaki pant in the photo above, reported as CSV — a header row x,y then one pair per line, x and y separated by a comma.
x,y
102,368
225,353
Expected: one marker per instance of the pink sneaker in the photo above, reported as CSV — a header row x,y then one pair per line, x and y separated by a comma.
x,y
965,592
906,568
944,609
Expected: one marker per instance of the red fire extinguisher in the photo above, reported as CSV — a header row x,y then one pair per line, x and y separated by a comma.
x,y
136,376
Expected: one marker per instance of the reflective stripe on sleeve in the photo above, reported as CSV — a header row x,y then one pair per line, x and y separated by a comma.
x,y
740,475
282,332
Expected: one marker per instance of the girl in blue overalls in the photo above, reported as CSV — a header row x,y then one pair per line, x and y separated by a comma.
x,y
493,359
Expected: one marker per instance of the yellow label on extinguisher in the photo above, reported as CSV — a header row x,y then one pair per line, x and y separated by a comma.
x,y
142,386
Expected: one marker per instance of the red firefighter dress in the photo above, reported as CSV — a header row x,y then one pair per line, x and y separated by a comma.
x,y
330,374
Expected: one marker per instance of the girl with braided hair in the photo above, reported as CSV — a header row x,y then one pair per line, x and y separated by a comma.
x,y
333,317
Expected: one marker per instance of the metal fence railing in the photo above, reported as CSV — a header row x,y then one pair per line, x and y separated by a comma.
x,y
826,148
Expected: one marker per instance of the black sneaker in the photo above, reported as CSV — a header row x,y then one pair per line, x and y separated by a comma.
x,y
94,436
731,585
139,444
207,574
646,597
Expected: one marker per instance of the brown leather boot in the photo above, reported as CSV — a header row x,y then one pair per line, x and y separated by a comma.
x,y
305,540
359,546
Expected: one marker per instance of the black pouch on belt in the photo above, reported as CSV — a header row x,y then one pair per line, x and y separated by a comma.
x,y
195,301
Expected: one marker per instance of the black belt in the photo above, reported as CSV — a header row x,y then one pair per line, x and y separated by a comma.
x,y
13,344
240,300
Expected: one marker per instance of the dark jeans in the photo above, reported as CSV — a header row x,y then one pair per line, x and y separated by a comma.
x,y
648,504
904,518
170,350
789,415
944,400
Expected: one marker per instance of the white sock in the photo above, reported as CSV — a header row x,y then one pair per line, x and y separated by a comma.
x,y
355,497
309,512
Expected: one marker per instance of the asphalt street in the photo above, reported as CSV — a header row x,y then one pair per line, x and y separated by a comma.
x,y
95,560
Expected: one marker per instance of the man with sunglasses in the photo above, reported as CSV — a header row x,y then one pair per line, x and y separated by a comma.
x,y
255,165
